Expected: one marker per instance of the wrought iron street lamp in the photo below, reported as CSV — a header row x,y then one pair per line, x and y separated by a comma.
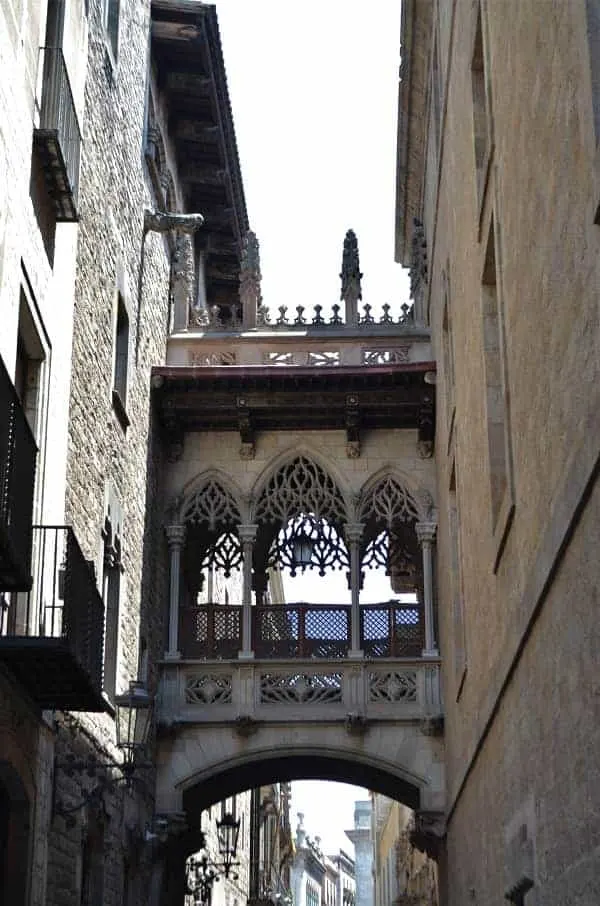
x,y
228,832
202,873
133,721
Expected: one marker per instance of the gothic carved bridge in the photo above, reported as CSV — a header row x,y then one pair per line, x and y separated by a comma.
x,y
277,470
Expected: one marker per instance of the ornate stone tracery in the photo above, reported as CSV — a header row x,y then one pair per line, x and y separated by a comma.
x,y
388,503
301,504
212,506
301,486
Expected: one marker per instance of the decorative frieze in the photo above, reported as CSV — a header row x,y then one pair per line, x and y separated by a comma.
x,y
208,689
300,689
393,686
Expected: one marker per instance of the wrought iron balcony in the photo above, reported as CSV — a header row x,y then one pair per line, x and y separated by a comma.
x,y
302,631
17,475
57,138
52,636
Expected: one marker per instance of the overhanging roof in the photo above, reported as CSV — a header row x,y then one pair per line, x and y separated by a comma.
x,y
295,398
188,62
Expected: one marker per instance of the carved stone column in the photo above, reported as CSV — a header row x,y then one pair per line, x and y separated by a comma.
x,y
175,537
426,534
247,535
353,532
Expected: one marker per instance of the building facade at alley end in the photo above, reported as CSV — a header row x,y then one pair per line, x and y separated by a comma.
x,y
173,448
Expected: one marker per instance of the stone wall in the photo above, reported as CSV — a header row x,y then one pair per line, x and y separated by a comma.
x,y
520,722
110,456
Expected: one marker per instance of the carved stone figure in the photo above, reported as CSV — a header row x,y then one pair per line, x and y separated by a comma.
x,y
163,221
183,273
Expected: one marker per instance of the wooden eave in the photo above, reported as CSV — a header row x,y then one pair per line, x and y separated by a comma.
x,y
189,399
188,60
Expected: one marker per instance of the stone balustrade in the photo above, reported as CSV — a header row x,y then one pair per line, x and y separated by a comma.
x,y
246,694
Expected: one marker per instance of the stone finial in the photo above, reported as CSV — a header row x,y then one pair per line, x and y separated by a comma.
x,y
351,277
250,277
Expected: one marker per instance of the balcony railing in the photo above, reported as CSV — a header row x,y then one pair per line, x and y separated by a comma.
x,y
210,631
17,476
301,631
52,637
58,138
391,629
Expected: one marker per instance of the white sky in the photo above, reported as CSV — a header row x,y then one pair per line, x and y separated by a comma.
x,y
314,92
328,810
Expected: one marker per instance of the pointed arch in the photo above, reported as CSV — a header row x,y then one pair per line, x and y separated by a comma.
x,y
334,501
209,498
298,501
389,490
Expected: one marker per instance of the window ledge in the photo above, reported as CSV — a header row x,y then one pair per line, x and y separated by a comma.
x,y
120,411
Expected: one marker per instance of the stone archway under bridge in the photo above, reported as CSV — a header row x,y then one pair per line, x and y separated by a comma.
x,y
200,768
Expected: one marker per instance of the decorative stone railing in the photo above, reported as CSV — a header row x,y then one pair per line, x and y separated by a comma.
x,y
209,319
246,693
331,345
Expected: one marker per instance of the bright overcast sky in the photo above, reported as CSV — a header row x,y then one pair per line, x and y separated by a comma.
x,y
314,92
328,810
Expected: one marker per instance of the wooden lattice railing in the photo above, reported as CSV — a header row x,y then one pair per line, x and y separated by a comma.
x,y
214,631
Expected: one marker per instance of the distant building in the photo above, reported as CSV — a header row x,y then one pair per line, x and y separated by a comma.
x,y
363,848
317,879
403,875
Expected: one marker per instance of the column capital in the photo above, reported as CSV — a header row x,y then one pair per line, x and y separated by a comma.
x,y
426,531
353,531
247,533
175,534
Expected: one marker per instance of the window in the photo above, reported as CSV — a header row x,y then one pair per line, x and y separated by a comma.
x,y
593,35
448,360
496,397
29,368
121,364
111,25
456,588
481,122
111,592
436,94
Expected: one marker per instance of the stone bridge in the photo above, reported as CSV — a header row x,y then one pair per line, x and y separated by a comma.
x,y
227,726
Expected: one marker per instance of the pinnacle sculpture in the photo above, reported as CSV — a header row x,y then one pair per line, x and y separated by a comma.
x,y
351,277
250,277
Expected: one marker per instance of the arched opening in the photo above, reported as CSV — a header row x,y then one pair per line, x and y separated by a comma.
x,y
390,551
211,574
231,784
301,516
15,828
